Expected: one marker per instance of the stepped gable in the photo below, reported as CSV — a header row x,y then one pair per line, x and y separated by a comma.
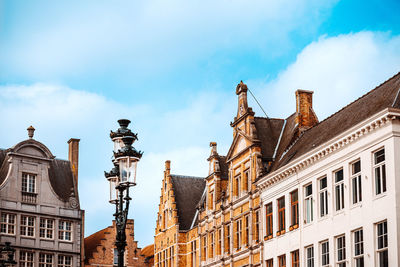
x,y
383,96
268,132
4,165
188,191
62,178
92,242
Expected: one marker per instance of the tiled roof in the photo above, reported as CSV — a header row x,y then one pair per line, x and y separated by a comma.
x,y
188,191
4,165
383,96
91,242
268,131
224,167
148,251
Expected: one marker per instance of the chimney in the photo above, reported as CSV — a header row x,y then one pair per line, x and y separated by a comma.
x,y
213,146
73,156
167,167
241,91
305,115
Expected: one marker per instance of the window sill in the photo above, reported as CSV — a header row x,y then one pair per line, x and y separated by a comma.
x,y
381,195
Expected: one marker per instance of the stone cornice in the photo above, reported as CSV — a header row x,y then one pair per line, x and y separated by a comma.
x,y
343,140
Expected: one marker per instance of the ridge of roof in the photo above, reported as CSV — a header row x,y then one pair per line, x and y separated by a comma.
x,y
259,117
186,176
354,101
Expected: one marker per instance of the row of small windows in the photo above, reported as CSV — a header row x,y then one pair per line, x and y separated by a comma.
x,y
166,258
27,259
27,227
357,256
322,183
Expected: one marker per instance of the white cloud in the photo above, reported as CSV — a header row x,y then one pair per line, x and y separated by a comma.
x,y
338,69
53,41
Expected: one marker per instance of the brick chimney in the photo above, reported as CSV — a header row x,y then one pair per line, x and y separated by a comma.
x,y
73,156
167,167
305,115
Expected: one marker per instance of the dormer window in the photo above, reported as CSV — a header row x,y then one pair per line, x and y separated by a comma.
x,y
28,188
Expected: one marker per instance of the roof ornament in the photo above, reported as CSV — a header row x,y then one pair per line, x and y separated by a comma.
x,y
31,131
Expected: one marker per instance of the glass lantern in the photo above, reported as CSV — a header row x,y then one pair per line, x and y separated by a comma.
x,y
113,191
118,144
127,170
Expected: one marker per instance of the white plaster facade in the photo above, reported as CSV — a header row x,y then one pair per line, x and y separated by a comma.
x,y
381,130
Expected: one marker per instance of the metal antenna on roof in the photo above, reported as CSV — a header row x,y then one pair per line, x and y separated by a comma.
x,y
258,103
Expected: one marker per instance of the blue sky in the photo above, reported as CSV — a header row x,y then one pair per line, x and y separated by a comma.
x,y
72,68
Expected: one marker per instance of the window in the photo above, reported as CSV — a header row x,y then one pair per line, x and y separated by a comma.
x,y
116,256
45,260
65,230
46,228
310,256
295,258
339,190
309,215
219,241
228,238
171,255
281,215
380,172
341,251
238,233
282,261
204,252
64,261
382,244
212,245
269,225
270,263
193,252
247,229
211,200
294,209
28,183
246,180
323,197
237,185
358,240
26,259
325,253
7,225
27,226
356,188
257,226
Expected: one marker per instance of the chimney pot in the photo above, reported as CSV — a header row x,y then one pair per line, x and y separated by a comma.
x,y
73,156
305,116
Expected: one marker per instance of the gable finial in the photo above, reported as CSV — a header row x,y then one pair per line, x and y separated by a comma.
x,y
31,131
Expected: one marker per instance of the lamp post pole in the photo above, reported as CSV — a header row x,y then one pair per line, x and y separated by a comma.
x,y
121,178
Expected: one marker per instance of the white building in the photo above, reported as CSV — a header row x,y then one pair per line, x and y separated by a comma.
x,y
331,196
39,204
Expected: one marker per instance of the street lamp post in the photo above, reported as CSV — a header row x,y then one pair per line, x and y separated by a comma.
x,y
8,252
121,178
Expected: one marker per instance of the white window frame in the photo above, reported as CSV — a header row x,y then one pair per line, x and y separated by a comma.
x,y
63,230
324,252
340,243
238,233
8,223
323,197
46,260
381,245
308,205
380,169
212,245
26,258
46,232
64,261
309,259
28,183
355,183
193,252
27,227
257,225
339,190
355,243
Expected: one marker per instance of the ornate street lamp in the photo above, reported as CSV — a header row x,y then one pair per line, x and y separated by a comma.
x,y
121,177
7,255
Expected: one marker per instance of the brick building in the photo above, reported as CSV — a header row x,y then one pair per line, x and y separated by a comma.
x,y
100,249
292,192
39,204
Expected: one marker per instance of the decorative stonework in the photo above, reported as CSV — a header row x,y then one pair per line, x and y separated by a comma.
x,y
327,150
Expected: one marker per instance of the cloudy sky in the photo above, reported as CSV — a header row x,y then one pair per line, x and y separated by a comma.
x,y
72,68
